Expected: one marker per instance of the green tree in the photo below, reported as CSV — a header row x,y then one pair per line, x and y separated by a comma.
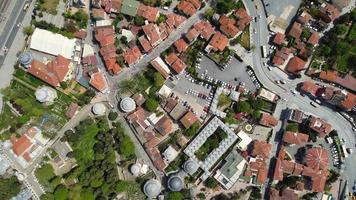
x,y
201,196
123,39
193,130
139,21
126,147
209,13
341,29
151,104
256,115
121,186
28,30
158,79
61,193
211,183
175,196
9,187
224,6
112,115
244,106
224,100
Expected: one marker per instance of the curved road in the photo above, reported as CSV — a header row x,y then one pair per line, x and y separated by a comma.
x,y
267,78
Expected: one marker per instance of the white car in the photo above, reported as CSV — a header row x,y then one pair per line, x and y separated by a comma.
x,y
269,68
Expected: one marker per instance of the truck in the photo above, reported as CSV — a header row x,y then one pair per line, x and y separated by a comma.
x,y
264,51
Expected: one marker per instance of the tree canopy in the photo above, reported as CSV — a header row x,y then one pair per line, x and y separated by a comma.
x,y
9,187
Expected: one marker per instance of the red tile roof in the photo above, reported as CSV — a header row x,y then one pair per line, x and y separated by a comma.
x,y
132,55
278,38
186,8
188,119
138,118
20,145
288,194
243,18
80,34
314,38
148,12
349,102
53,73
261,149
304,17
296,30
295,65
145,44
319,181
278,170
164,30
105,35
181,45
268,120
205,29
179,66
90,60
98,13
317,158
171,58
329,12
230,30
195,3
329,75
112,66
152,33
164,126
310,87
174,20
72,110
171,103
98,81
192,34
219,41
320,126
295,138
161,69
108,51
348,81
281,56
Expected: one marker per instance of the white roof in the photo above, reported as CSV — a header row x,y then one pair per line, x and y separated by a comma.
x,y
87,50
162,64
105,22
270,96
127,104
52,43
245,140
128,34
165,91
170,154
99,109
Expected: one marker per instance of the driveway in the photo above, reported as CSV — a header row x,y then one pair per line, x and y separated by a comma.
x,y
235,69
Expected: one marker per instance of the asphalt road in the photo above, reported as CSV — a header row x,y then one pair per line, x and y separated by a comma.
x,y
10,29
268,78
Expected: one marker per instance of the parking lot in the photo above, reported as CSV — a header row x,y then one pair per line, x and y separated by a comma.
x,y
234,73
196,94
276,8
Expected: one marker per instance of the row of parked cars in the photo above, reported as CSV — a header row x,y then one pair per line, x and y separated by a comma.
x,y
253,78
335,156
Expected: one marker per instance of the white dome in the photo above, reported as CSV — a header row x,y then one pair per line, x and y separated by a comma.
x,y
127,104
99,109
152,188
45,94
135,169
175,183
190,167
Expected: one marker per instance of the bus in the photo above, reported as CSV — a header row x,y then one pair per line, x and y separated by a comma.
x,y
264,51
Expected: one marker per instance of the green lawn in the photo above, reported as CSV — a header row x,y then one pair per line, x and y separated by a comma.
x,y
83,149
210,144
50,6
45,174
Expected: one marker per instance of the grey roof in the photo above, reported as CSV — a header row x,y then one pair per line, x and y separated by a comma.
x,y
152,188
190,167
25,58
231,161
175,183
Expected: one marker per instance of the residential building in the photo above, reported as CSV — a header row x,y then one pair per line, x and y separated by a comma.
x,y
243,18
161,67
227,26
278,38
97,80
313,39
192,35
186,8
148,12
310,88
164,126
268,120
261,149
181,45
152,33
304,18
295,116
188,119
320,126
328,12
295,65
295,31
205,29
132,56
217,43
295,138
